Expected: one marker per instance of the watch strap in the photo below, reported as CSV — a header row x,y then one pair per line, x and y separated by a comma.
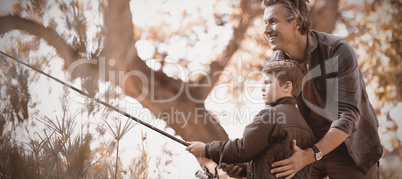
x,y
317,153
315,149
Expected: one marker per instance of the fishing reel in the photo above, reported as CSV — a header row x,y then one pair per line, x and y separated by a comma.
x,y
205,174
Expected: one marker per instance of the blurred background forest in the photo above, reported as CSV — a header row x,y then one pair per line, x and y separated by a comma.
x,y
213,49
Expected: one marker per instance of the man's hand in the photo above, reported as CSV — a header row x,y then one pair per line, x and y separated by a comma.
x,y
233,170
196,148
290,166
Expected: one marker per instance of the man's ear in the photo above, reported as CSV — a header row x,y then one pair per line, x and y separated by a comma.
x,y
297,23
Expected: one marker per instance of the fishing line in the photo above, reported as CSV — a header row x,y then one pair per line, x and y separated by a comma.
x,y
98,100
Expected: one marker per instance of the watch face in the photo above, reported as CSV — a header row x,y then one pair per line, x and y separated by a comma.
x,y
318,156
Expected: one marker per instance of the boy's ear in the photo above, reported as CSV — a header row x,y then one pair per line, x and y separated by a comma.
x,y
288,86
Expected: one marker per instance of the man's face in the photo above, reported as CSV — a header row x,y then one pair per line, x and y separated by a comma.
x,y
271,90
280,32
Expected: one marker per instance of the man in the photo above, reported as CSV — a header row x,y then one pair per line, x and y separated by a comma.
x,y
333,102
269,137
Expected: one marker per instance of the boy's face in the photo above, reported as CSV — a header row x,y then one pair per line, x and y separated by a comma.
x,y
272,90
280,32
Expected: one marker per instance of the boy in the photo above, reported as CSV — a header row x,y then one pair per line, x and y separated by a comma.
x,y
269,137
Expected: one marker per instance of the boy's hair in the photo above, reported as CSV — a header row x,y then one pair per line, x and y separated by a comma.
x,y
295,9
286,70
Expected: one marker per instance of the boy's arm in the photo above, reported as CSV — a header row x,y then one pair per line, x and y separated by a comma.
x,y
237,170
196,148
256,137
233,170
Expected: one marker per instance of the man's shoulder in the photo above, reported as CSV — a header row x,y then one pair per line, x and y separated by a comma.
x,y
329,39
333,45
325,38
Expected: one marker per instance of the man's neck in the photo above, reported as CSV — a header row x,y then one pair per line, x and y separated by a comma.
x,y
298,50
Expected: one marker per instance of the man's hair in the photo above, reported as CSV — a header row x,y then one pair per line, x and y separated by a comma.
x,y
286,70
295,9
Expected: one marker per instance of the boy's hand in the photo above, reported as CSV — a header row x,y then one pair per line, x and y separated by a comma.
x,y
233,170
196,148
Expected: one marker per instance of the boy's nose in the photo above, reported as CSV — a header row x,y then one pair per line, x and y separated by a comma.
x,y
263,89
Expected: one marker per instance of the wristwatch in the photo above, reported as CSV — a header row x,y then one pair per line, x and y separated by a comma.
x,y
317,153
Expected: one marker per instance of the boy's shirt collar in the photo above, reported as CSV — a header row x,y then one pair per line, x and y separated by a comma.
x,y
283,100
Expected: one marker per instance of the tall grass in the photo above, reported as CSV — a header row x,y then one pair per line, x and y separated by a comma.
x,y
60,151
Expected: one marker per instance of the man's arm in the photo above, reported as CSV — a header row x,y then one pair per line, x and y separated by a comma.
x,y
300,158
331,140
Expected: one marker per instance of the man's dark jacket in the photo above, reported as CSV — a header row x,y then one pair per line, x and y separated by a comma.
x,y
266,140
340,92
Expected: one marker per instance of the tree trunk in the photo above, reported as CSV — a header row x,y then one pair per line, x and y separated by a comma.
x,y
180,104
323,15
183,110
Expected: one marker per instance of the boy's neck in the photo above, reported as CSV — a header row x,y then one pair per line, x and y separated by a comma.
x,y
282,100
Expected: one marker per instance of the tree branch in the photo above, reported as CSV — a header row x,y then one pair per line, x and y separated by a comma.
x,y
251,9
154,89
120,46
65,51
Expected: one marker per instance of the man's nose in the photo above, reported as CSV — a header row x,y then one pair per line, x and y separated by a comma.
x,y
267,30
263,89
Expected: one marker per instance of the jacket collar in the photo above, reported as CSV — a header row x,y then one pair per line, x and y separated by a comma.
x,y
283,100
312,44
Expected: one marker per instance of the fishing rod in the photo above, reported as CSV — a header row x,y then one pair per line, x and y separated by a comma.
x,y
99,101
202,174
